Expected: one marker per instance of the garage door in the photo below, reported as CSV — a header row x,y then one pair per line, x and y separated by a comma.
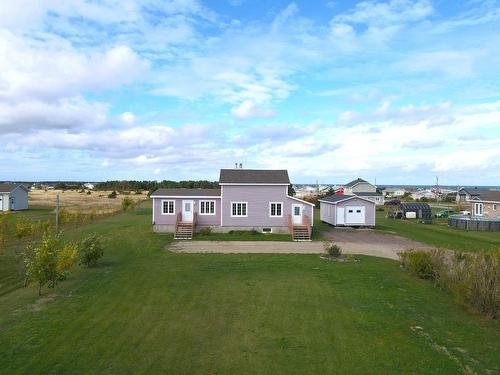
x,y
355,215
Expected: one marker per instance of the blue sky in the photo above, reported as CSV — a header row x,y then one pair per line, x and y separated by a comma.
x,y
399,90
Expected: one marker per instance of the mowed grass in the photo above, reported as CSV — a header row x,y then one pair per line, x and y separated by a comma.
x,y
438,234
147,310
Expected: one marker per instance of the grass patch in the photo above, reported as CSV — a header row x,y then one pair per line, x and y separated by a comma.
x,y
439,234
242,235
147,310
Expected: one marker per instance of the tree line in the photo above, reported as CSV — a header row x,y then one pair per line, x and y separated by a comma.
x,y
133,185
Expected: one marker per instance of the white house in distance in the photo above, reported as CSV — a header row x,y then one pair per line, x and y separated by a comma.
x,y
363,189
13,197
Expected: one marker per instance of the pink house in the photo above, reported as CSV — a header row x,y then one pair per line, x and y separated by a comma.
x,y
248,199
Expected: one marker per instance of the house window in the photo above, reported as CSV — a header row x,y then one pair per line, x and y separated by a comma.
x,y
358,211
207,207
276,209
239,209
478,209
494,207
350,211
168,207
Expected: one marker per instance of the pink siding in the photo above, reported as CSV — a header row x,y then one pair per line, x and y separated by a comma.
x,y
201,219
258,198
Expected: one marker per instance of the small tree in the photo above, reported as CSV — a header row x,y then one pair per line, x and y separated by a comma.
x,y
113,194
48,261
127,204
90,250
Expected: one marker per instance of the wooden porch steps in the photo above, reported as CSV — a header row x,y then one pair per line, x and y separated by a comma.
x,y
301,233
184,231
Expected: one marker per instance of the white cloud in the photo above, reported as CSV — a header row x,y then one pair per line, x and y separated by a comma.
x,y
127,117
248,110
382,13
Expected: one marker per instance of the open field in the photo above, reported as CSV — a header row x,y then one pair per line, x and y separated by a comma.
x,y
73,200
148,310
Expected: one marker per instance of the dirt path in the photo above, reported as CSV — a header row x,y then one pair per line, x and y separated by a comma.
x,y
363,242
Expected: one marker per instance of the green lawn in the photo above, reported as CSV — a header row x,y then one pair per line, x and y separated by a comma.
x,y
147,310
439,234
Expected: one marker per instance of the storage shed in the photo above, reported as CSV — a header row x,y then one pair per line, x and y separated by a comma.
x,y
13,197
412,210
347,210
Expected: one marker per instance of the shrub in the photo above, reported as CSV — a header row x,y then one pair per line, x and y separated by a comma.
x,y
127,204
418,262
90,250
380,209
112,195
205,231
88,192
24,228
138,192
332,249
473,279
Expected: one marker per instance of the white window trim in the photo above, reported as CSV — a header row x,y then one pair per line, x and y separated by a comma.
x,y
162,205
270,203
207,201
246,203
476,206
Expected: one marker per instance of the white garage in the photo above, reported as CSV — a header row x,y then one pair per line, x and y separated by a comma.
x,y
347,210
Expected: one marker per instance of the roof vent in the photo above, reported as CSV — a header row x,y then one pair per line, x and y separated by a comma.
x,y
241,165
235,165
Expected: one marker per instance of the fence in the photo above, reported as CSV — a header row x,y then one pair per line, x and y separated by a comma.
x,y
477,224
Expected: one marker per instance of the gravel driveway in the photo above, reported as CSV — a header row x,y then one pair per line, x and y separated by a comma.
x,y
366,242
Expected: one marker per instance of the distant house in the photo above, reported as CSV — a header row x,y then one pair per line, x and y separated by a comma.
x,y
486,204
347,210
394,192
467,194
13,197
363,189
248,199
88,186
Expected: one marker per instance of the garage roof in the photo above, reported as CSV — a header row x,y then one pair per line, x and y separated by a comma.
x,y
340,198
7,188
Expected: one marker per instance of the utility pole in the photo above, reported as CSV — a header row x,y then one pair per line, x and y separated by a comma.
x,y
57,214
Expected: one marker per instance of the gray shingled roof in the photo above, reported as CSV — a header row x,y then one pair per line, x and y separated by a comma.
x,y
489,195
336,198
354,182
181,192
7,188
254,176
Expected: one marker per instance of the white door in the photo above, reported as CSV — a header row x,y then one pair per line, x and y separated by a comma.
x,y
187,210
297,213
1,203
355,215
340,216
12,205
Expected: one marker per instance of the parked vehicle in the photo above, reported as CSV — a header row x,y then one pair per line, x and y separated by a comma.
x,y
444,213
